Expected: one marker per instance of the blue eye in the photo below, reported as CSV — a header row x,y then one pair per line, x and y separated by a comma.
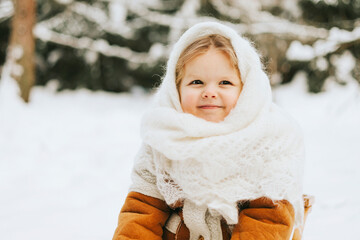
x,y
196,82
225,82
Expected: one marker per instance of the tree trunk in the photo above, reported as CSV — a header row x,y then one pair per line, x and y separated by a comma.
x,y
22,46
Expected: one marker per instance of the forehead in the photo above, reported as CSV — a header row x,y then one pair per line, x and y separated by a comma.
x,y
213,61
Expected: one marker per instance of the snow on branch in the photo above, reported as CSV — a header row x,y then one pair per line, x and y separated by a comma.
x,y
265,22
94,15
64,2
178,22
261,22
337,39
100,46
236,10
189,8
151,16
6,9
54,21
187,11
9,88
182,19
100,17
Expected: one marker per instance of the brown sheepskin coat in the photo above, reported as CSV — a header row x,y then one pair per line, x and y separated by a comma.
x,y
144,217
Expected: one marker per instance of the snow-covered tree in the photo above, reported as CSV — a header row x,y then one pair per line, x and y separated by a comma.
x,y
116,44
335,57
20,64
22,46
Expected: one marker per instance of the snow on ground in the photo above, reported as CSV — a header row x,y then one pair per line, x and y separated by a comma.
x,y
65,160
331,124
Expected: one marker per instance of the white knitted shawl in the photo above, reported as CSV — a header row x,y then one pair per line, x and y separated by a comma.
x,y
257,151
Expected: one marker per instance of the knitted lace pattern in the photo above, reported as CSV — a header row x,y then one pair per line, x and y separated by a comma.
x,y
257,151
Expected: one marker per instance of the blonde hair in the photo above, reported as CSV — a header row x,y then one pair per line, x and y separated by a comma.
x,y
201,46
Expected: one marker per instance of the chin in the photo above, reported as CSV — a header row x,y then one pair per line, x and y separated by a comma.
x,y
213,119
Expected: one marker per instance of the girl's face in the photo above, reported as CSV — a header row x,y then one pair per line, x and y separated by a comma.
x,y
210,87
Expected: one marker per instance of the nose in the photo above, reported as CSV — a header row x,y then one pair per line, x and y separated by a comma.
x,y
209,92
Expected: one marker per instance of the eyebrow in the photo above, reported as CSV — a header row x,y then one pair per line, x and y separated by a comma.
x,y
193,76
199,77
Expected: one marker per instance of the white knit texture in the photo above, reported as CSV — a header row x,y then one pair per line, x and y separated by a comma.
x,y
257,151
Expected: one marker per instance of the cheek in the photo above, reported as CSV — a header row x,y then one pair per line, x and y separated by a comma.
x,y
232,98
188,100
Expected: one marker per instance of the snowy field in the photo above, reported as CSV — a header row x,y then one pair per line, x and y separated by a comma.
x,y
65,160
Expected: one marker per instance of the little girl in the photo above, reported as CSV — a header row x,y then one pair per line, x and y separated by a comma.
x,y
219,159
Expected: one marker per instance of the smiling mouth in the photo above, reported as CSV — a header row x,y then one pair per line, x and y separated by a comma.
x,y
209,107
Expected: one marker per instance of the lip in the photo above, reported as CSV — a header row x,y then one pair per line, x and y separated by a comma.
x,y
209,106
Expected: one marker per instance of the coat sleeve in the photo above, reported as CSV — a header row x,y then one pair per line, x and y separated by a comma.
x,y
141,217
265,219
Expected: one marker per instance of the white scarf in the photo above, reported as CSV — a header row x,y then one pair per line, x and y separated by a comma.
x,y
257,151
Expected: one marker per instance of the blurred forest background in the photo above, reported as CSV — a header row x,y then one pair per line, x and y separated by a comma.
x,y
66,157
116,45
